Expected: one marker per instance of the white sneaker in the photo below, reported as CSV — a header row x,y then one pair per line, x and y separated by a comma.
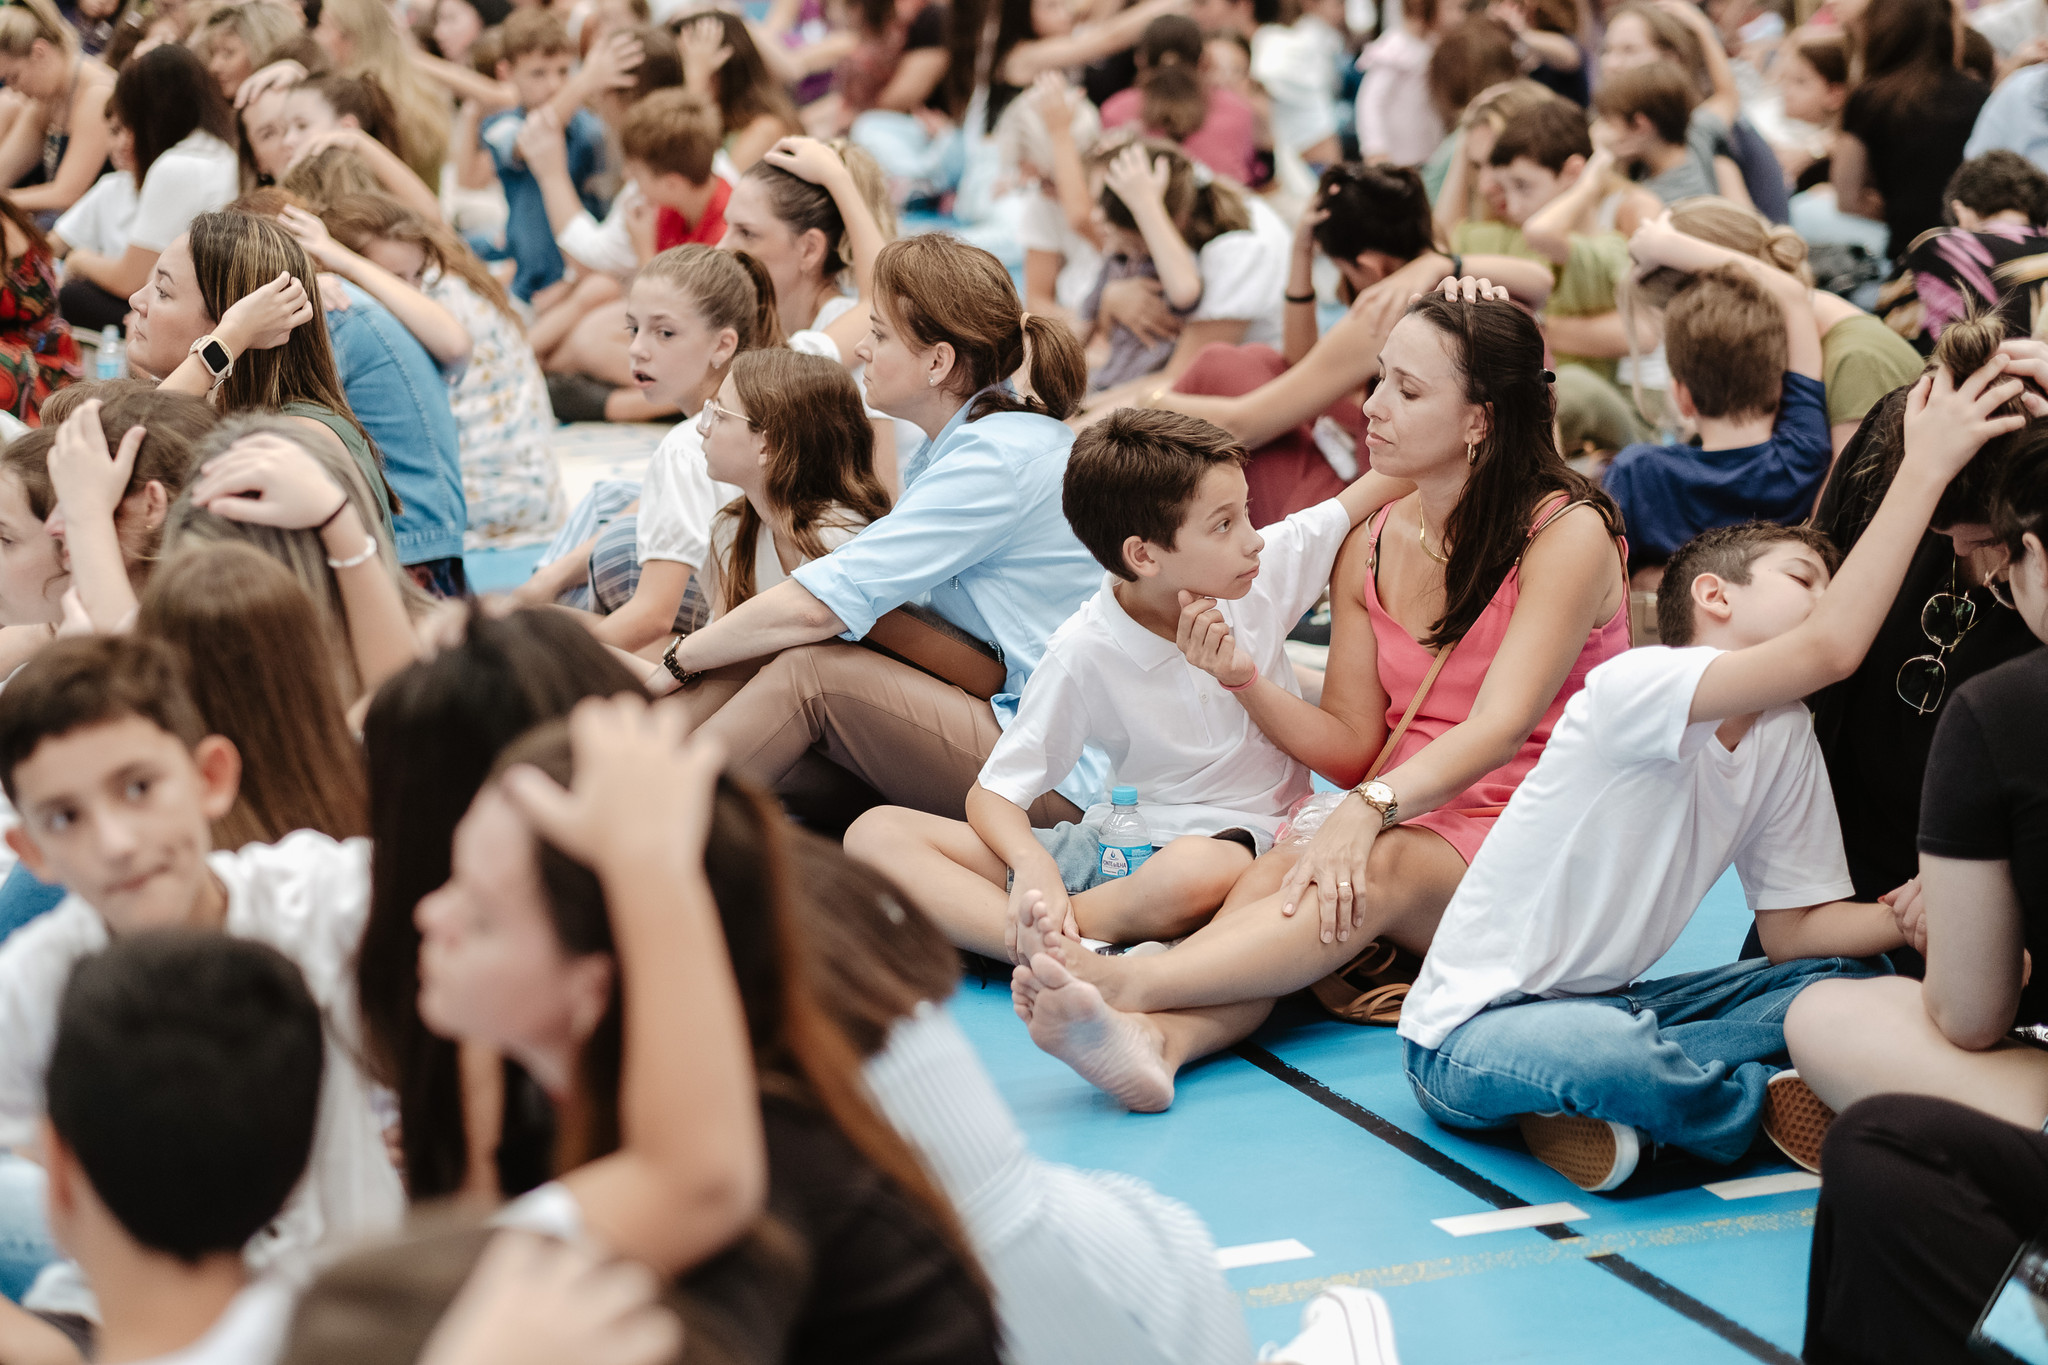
x,y
1340,1326
1592,1153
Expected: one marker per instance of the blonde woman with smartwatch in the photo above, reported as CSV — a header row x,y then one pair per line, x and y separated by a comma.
x,y
1465,615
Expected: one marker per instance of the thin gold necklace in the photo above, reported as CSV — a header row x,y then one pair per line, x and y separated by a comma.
x,y
1422,535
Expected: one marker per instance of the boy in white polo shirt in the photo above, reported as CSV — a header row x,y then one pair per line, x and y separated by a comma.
x,y
1160,500
1673,764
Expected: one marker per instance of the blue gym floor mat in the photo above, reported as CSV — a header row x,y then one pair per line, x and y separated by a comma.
x,y
1308,1132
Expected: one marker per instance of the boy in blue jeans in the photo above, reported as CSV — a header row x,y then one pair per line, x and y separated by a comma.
x,y
1745,363
1673,764
1160,500
536,59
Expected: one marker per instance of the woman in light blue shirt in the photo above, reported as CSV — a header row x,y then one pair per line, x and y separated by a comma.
x,y
978,537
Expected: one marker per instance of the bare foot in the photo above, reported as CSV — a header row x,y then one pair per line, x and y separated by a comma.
x,y
1108,974
1119,1054
1031,914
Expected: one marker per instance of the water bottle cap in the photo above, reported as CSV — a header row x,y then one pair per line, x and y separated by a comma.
x,y
1123,796
111,332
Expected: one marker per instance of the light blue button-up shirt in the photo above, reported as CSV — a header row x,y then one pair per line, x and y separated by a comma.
x,y
979,537
2014,119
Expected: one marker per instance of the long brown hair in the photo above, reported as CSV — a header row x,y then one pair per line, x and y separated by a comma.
x,y
174,425
821,458
798,1046
1499,352
263,664
299,549
234,255
745,89
380,48
938,288
356,220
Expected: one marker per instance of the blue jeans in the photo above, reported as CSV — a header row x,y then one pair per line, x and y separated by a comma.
x,y
25,1246
1684,1060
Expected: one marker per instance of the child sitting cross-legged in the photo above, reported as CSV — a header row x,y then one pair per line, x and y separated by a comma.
x,y
1159,499
1673,764
184,1090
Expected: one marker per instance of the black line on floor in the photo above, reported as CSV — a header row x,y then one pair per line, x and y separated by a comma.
x,y
1465,1178
1684,1304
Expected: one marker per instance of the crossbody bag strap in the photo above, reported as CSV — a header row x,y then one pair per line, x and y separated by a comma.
x,y
1414,704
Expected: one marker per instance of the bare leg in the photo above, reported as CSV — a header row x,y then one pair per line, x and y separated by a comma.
x,y
1253,952
1132,1057
1854,1039
1178,890
946,869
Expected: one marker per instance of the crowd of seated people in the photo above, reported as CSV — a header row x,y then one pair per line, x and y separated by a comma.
x,y
1187,503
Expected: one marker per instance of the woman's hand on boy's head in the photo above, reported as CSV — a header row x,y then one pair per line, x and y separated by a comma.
x,y
1948,421
267,480
641,793
265,318
88,479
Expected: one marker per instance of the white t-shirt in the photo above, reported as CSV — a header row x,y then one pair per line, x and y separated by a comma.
x,y
843,526
250,1331
306,896
1298,67
1625,823
1198,761
195,176
1244,275
100,220
678,498
1044,227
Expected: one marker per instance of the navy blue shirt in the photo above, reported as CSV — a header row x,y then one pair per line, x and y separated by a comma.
x,y
401,399
1669,494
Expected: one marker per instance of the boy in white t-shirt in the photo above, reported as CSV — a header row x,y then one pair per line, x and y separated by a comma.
x,y
1674,763
105,756
1160,500
183,1087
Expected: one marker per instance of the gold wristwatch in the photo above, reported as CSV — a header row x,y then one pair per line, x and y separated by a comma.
x,y
1381,798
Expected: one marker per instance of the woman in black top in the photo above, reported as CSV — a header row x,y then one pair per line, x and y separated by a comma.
x,y
1982,902
1907,121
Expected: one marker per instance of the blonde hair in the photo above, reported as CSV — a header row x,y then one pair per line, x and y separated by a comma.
x,y
358,219
24,22
264,26
329,174
380,50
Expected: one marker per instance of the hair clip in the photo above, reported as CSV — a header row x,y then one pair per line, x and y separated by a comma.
x,y
1203,176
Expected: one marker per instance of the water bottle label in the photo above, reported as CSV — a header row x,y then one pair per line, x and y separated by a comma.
x,y
1122,862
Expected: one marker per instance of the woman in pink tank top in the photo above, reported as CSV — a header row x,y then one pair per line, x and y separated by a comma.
x,y
1472,609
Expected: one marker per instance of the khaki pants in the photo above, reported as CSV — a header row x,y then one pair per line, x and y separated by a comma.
x,y
918,741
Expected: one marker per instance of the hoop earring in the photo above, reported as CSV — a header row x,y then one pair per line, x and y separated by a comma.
x,y
1471,452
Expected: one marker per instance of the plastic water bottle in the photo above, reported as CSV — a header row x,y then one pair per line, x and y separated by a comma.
x,y
1126,843
113,357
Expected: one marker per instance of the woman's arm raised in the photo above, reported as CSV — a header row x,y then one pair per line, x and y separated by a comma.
x,y
445,338
809,159
691,1171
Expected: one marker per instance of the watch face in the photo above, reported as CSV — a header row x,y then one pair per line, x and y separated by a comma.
x,y
216,357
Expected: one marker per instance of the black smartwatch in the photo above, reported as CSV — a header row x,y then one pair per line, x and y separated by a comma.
x,y
214,356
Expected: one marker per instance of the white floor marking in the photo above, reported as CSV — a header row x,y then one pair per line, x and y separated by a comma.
x,y
1504,1220
1763,1184
1261,1253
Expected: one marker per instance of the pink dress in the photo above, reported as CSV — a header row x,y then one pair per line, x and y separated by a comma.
x,y
1464,820
1227,142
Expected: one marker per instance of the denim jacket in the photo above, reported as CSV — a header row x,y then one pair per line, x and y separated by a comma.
x,y
402,401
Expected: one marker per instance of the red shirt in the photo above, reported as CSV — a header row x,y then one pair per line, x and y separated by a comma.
x,y
672,229
1227,142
